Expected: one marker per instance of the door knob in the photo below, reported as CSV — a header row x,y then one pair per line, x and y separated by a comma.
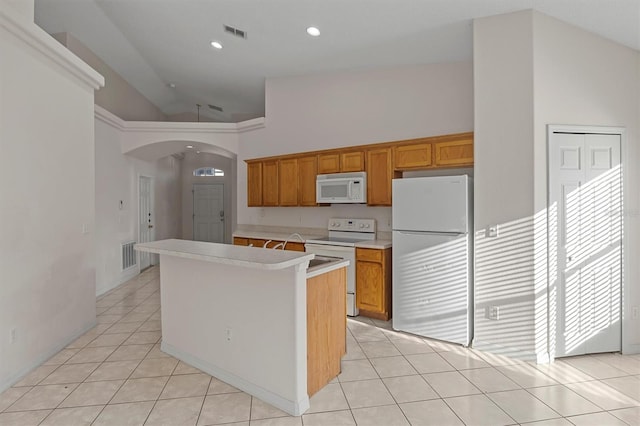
x,y
150,226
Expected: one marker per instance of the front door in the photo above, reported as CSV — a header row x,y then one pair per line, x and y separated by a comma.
x,y
585,233
208,212
146,219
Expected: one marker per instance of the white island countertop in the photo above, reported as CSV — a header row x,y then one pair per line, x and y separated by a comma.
x,y
250,257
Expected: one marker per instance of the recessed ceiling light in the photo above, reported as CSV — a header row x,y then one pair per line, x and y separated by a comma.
x,y
190,146
216,44
313,31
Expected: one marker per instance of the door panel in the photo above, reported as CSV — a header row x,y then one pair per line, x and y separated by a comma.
x,y
208,212
585,182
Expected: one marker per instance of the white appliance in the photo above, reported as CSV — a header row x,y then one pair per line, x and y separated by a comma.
x,y
432,257
342,188
344,233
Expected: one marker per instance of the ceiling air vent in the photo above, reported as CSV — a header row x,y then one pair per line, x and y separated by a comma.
x,y
215,107
235,31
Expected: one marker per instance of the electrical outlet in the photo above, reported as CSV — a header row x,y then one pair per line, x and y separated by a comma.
x,y
634,312
492,313
229,334
491,231
12,336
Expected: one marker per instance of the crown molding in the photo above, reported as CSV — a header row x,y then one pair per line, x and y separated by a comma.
x,y
38,40
175,127
249,125
109,118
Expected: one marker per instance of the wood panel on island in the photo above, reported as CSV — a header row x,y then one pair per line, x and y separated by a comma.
x,y
272,181
373,282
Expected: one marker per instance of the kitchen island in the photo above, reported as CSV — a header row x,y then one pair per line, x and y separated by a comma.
x,y
257,319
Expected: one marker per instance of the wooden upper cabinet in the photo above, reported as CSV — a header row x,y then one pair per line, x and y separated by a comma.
x,y
270,183
414,156
352,161
254,184
307,171
454,153
339,162
379,175
288,182
328,163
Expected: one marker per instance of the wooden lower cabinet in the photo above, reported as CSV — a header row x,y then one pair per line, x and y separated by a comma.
x,y
373,282
239,241
326,327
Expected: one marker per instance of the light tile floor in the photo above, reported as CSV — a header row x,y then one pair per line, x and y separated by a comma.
x,y
115,374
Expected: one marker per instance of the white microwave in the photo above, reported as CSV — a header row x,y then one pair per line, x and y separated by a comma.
x,y
342,188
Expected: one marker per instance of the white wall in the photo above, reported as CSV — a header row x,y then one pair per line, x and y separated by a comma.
x,y
353,108
47,262
117,96
503,184
581,78
531,70
117,178
192,161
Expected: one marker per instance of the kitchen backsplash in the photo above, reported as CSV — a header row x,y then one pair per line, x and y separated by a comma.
x,y
314,217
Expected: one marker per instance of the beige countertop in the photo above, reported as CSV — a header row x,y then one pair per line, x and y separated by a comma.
x,y
374,244
250,257
277,236
380,244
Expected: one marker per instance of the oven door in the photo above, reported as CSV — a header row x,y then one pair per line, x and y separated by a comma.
x,y
347,253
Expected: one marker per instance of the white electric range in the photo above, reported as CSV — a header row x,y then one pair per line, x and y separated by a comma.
x,y
344,233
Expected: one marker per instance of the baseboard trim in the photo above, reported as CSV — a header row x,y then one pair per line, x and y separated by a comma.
x,y
505,351
126,276
295,408
15,378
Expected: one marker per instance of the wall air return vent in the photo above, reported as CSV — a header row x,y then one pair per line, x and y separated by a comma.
x,y
235,31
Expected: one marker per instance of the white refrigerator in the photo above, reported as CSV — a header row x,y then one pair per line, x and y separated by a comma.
x,y
432,257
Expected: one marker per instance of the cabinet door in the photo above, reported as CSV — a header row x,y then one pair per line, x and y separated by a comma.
x,y
369,282
379,175
254,184
288,182
270,183
454,153
328,163
239,241
352,161
412,156
307,171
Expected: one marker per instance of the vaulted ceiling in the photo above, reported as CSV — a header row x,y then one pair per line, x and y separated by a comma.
x,y
155,44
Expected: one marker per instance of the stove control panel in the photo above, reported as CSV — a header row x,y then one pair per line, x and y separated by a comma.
x,y
354,225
